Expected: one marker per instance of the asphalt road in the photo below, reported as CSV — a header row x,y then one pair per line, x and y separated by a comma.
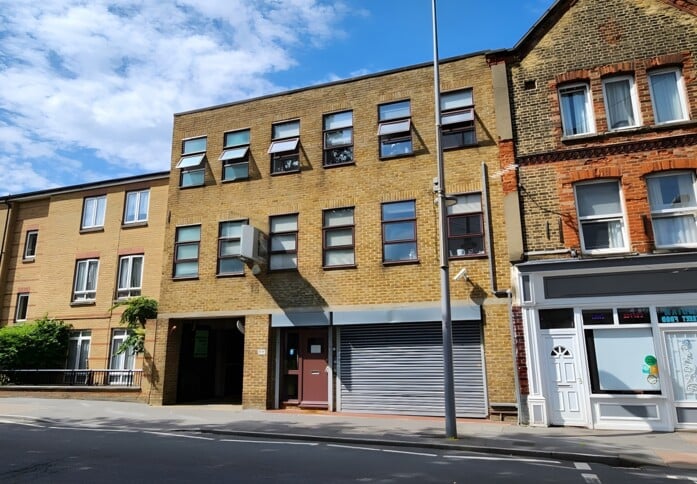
x,y
39,453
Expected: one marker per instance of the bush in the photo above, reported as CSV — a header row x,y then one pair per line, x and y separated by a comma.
x,y
41,344
138,310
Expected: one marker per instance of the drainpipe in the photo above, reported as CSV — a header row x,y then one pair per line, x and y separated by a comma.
x,y
4,232
494,286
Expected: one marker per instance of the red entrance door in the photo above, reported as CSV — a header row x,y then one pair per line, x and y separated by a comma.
x,y
305,377
313,353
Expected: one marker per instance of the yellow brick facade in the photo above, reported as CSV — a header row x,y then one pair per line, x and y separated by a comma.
x,y
364,185
48,277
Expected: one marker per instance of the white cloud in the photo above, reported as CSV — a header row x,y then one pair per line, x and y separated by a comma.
x,y
89,88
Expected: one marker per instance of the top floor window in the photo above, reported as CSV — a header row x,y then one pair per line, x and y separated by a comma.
x,y
457,119
621,102
668,95
601,217
576,110
338,138
137,204
466,226
673,200
399,231
191,162
30,244
285,147
394,129
235,155
93,211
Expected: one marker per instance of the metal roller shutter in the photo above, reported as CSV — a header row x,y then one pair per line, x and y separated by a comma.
x,y
398,369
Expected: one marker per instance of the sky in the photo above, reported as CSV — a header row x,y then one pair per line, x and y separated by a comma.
x,y
88,88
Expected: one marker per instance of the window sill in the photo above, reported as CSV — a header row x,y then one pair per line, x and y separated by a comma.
x,y
453,148
400,262
335,268
280,173
185,278
133,225
233,180
581,138
28,260
90,302
236,274
91,229
468,256
191,186
336,165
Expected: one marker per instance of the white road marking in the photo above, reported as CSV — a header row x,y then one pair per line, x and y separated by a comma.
x,y
583,466
410,453
269,442
686,478
591,478
507,458
355,447
167,434
91,429
21,423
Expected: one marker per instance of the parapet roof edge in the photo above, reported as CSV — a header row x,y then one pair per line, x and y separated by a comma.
x,y
333,83
84,186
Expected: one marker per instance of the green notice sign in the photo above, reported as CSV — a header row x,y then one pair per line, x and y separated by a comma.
x,y
201,343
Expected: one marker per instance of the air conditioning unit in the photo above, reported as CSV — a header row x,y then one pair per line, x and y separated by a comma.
x,y
253,245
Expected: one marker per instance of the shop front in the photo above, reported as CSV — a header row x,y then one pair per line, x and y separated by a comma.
x,y
612,343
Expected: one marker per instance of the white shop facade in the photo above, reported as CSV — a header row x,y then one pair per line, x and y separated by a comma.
x,y
611,343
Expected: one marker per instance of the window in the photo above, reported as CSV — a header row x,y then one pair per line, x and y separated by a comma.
x,y
186,246
338,236
620,102
601,217
465,226
30,244
668,95
235,155
394,129
78,350
457,119
576,110
130,276
22,306
191,162
284,242
136,206
399,231
85,288
229,234
121,361
284,149
338,138
672,198
93,211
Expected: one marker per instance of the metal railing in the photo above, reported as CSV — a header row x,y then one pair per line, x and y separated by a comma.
x,y
83,378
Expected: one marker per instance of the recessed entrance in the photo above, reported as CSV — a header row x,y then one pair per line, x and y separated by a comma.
x,y
211,362
304,377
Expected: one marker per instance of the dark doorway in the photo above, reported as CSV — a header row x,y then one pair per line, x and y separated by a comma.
x,y
211,362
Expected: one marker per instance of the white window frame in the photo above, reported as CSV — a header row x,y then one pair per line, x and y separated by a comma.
x,y
604,218
680,88
129,289
80,352
633,97
22,307
658,213
93,212
84,291
588,108
139,199
120,361
29,246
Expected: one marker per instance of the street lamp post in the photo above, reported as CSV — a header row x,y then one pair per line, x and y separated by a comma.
x,y
447,325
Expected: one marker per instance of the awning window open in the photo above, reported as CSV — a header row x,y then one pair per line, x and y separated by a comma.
x,y
283,145
190,161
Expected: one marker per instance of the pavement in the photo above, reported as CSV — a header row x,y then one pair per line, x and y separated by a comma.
x,y
611,447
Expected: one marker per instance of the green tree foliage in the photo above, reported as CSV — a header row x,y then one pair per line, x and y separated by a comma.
x,y
138,311
41,344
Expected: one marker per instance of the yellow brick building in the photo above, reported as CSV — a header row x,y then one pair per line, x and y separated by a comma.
x,y
70,253
344,312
